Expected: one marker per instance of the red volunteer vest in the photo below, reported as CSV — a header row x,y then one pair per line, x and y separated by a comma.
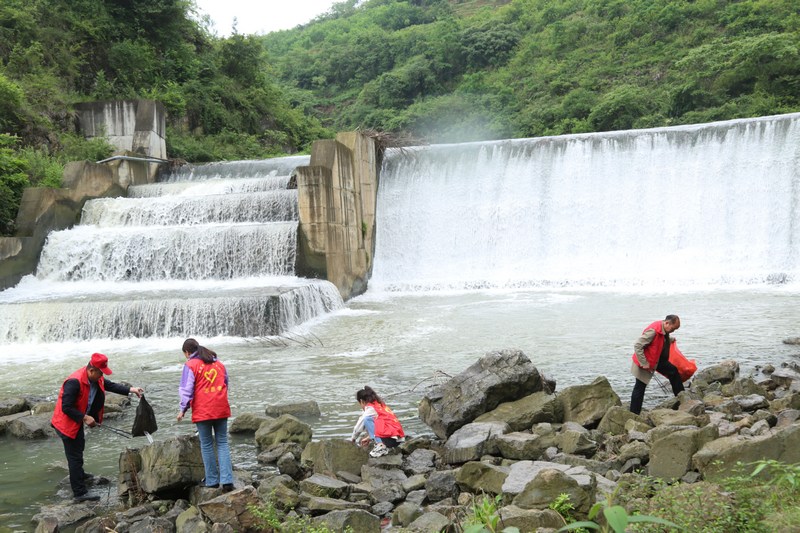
x,y
652,352
386,423
210,400
60,420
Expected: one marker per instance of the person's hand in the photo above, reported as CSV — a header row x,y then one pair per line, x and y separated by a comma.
x,y
364,442
646,366
180,417
138,391
89,421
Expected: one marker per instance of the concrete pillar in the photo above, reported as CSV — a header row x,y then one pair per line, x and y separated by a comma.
x,y
337,196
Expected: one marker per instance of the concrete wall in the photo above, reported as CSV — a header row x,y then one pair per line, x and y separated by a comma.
x,y
43,210
337,194
137,126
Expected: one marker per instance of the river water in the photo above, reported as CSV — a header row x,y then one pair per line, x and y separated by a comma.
x,y
565,248
398,344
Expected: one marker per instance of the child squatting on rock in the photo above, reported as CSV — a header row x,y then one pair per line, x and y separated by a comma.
x,y
379,421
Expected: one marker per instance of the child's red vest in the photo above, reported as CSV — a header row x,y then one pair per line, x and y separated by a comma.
x,y
210,400
386,423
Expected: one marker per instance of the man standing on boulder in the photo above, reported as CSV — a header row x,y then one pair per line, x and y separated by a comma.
x,y
651,353
80,402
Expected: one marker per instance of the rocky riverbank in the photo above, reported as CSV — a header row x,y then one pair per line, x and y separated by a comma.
x,y
498,428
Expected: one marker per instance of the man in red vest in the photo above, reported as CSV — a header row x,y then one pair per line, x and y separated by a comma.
x,y
651,353
80,402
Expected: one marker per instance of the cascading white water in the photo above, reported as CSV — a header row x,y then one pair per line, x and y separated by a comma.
x,y
708,204
279,166
214,185
199,258
188,210
219,251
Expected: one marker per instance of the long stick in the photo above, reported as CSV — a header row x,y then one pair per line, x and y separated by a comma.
x,y
658,380
118,431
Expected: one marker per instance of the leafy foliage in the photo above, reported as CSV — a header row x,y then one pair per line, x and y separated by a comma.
x,y
780,474
441,70
270,519
484,517
616,519
12,182
542,67
760,497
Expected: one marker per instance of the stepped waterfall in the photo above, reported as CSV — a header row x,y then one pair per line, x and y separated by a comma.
x,y
209,252
709,204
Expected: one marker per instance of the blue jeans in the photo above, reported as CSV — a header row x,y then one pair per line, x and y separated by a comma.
x,y
369,425
218,466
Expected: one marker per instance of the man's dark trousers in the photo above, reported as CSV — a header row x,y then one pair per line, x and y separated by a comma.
x,y
667,369
73,448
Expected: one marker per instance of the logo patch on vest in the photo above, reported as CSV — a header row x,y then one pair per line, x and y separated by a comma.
x,y
210,375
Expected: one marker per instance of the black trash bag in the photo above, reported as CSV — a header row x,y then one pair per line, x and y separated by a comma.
x,y
145,420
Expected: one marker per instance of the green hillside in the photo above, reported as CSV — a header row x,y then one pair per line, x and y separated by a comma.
x,y
432,70
470,70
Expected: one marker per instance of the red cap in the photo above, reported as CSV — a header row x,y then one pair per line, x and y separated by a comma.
x,y
100,362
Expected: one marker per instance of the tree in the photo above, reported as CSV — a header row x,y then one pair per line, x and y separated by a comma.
x,y
13,181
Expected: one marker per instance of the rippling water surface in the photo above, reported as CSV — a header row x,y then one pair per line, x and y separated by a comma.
x,y
396,343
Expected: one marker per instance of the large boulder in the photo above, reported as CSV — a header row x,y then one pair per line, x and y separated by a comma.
x,y
719,457
377,477
523,445
421,461
524,413
430,521
319,505
472,441
11,406
724,372
671,455
497,377
530,519
522,472
670,417
477,477
405,513
281,491
307,409
613,422
6,420
441,485
60,516
350,520
332,456
575,439
548,485
328,487
166,466
587,404
785,377
233,508
285,428
789,401
190,521
32,427
248,423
